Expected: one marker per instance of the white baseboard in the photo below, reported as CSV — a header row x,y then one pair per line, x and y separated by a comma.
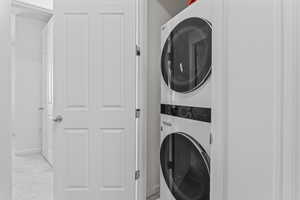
x,y
153,197
28,152
154,194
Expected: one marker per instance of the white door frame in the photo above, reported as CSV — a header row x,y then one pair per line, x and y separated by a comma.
x,y
219,102
5,100
290,179
143,96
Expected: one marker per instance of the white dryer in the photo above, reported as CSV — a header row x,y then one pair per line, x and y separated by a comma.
x,y
186,59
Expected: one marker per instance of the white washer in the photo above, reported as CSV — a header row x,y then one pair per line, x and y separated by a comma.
x,y
186,104
184,159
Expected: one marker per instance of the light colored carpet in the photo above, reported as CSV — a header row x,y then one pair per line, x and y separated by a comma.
x,y
32,178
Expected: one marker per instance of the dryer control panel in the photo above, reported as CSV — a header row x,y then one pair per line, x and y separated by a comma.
x,y
188,112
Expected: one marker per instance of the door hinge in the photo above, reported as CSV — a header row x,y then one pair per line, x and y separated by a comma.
x,y
137,113
210,139
137,174
138,50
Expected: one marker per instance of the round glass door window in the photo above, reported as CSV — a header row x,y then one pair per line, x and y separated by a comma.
x,y
185,167
187,55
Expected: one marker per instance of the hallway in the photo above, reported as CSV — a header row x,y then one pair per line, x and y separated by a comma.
x,y
32,178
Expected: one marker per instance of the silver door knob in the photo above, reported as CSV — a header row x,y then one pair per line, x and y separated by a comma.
x,y
58,119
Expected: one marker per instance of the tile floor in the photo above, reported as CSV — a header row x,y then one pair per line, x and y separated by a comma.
x,y
32,178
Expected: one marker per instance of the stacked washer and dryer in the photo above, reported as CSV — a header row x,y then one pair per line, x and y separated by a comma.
x,y
186,61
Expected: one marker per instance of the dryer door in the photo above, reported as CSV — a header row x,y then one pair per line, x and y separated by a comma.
x,y
185,167
187,55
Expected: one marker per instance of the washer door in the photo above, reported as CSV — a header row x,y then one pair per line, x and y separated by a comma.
x,y
187,55
185,167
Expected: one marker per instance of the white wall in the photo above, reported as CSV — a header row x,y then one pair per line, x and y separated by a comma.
x,y
298,99
258,100
159,12
27,85
48,4
5,101
251,100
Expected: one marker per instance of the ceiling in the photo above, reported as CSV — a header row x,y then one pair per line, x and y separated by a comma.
x,y
47,4
28,10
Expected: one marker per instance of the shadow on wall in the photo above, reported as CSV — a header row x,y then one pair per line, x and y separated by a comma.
x,y
159,12
173,7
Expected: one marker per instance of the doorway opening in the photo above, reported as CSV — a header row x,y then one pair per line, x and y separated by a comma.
x,y
32,100
32,91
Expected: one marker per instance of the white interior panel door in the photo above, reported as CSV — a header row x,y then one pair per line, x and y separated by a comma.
x,y
94,64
